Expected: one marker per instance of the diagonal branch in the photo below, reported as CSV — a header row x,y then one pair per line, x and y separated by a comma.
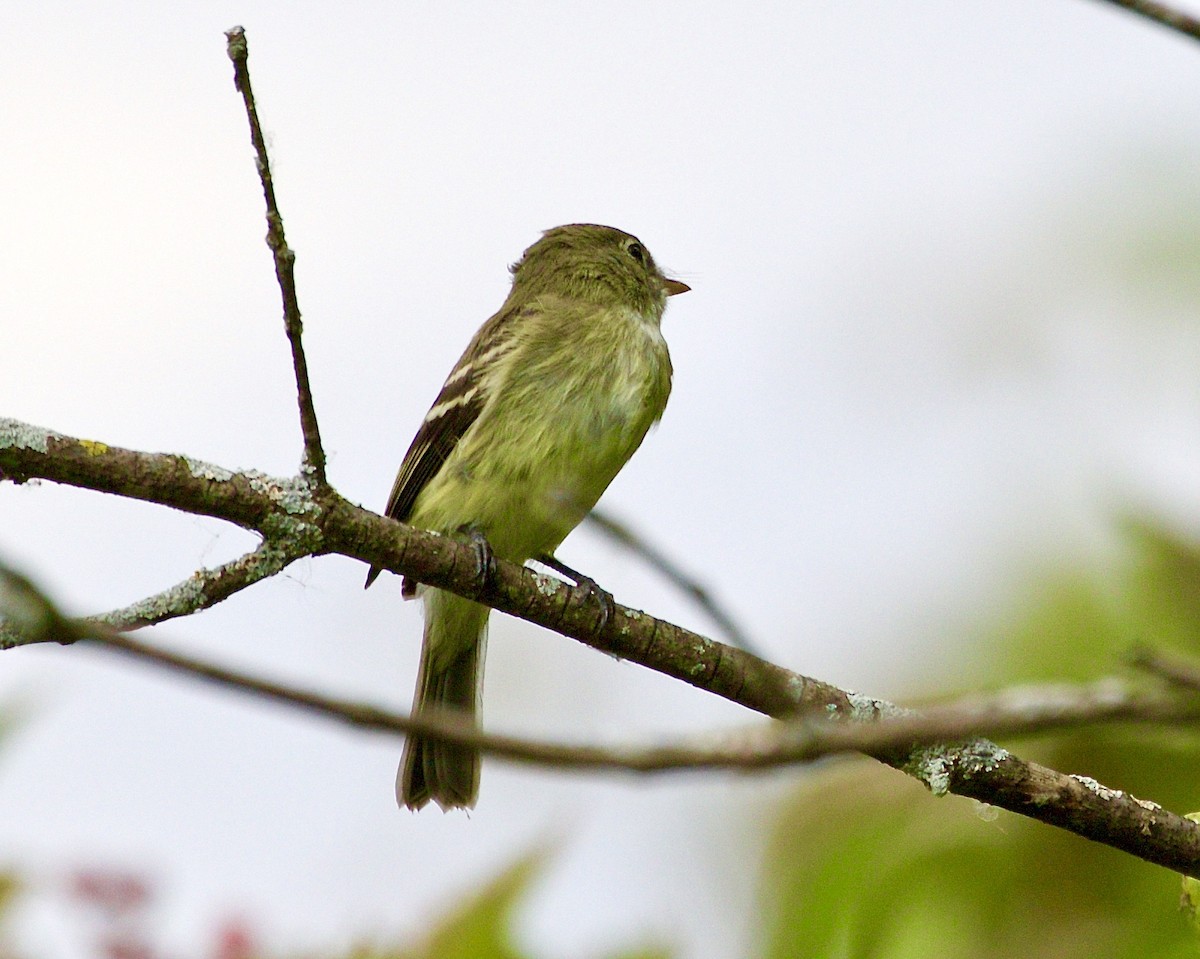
x,y
285,260
204,588
288,511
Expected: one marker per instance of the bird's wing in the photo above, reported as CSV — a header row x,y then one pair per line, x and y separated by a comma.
x,y
457,406
449,418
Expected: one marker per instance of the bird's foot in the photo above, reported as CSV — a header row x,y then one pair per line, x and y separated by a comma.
x,y
485,559
608,606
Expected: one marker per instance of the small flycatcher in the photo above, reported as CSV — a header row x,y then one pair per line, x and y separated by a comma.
x,y
549,401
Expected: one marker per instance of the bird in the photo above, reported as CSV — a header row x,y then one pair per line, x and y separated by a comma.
x,y
547,403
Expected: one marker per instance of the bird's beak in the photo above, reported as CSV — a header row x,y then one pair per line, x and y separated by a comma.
x,y
675,286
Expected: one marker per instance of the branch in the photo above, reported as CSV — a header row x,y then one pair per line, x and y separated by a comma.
x,y
1162,13
794,742
285,260
621,533
291,515
303,516
1020,710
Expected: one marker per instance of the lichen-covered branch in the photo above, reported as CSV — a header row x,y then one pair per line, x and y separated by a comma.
x,y
305,521
203,589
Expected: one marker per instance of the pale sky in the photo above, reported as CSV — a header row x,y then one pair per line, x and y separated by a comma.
x,y
942,324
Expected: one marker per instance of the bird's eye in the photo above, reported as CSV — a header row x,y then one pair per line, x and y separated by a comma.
x,y
637,252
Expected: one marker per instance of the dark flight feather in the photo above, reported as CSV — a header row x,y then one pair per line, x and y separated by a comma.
x,y
463,398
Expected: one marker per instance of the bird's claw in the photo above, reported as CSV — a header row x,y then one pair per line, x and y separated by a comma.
x,y
591,589
608,606
485,559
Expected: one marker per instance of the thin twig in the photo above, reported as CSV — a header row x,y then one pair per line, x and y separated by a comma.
x,y
622,533
285,260
1021,710
765,747
1164,14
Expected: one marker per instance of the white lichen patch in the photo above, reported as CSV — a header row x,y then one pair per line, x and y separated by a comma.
x,y
293,494
1100,790
546,585
933,769
180,600
207,471
25,436
934,765
980,756
294,501
986,812
865,709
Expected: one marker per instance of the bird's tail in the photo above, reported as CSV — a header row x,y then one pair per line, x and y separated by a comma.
x,y
449,679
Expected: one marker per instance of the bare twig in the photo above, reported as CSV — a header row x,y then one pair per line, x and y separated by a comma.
x,y
977,768
657,559
285,260
1022,710
286,512
1164,14
766,747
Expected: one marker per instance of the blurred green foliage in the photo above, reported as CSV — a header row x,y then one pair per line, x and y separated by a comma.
x,y
864,863
481,926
